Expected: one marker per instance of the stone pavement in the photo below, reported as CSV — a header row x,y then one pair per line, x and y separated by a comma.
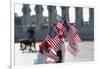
x,y
86,54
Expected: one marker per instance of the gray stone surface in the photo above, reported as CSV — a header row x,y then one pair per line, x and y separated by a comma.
x,y
26,19
85,29
86,54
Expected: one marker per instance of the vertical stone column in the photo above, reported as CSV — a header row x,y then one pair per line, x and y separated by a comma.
x,y
26,19
65,12
78,16
52,13
91,22
79,21
91,16
39,21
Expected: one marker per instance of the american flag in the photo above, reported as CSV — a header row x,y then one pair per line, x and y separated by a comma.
x,y
73,38
70,33
53,39
59,25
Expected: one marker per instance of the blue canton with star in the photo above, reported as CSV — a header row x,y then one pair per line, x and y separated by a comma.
x,y
52,33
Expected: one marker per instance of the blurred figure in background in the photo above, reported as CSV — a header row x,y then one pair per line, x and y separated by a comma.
x,y
31,37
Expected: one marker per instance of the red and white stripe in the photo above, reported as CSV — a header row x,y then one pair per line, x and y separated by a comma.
x,y
73,51
55,43
59,25
72,36
73,39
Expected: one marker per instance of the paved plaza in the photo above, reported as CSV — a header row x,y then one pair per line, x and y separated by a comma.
x,y
86,54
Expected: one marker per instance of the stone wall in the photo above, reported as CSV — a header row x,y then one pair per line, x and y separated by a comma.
x,y
86,29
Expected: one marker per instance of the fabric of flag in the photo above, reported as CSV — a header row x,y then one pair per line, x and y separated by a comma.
x,y
73,38
59,25
53,39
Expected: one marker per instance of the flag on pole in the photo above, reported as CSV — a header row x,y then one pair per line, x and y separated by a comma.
x,y
73,38
53,39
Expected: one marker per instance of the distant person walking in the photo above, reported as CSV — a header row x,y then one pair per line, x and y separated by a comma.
x,y
31,37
